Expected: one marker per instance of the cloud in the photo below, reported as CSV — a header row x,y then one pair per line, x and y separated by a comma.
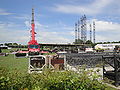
x,y
107,26
107,37
27,23
23,17
23,36
106,31
4,12
51,37
9,33
53,34
95,7
18,36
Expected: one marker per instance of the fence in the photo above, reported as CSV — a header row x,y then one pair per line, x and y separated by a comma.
x,y
105,59
114,62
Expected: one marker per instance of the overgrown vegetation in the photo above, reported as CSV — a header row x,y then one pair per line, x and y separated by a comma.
x,y
49,80
14,76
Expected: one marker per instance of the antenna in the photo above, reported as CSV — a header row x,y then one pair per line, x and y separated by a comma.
x,y
78,29
75,32
90,33
33,26
32,21
93,31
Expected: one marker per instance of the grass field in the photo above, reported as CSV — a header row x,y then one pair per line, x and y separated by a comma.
x,y
11,63
13,49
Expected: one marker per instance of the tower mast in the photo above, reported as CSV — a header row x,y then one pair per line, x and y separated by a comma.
x,y
93,31
33,26
78,29
90,33
75,32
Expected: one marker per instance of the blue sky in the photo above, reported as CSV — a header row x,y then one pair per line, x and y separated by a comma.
x,y
54,19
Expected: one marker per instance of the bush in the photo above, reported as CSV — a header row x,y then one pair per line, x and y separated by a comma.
x,y
49,80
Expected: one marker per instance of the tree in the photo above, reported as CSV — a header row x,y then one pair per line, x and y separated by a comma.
x,y
6,44
78,41
15,44
88,42
0,50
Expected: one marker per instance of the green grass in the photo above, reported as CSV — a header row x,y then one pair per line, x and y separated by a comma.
x,y
11,63
110,88
13,49
7,50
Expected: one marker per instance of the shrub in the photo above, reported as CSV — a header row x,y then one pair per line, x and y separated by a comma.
x,y
49,80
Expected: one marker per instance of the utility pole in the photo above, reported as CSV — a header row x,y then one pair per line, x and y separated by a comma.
x,y
82,28
93,32
78,30
75,32
90,33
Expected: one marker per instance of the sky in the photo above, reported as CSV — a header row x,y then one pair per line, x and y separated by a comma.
x,y
55,20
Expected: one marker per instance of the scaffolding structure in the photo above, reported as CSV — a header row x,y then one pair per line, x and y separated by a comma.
x,y
75,32
78,30
83,28
90,33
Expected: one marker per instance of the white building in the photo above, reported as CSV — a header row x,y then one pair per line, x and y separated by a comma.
x,y
107,46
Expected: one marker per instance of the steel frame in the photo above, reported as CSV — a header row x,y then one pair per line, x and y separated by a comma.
x,y
114,62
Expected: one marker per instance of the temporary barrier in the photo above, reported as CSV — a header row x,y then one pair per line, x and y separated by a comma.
x,y
37,63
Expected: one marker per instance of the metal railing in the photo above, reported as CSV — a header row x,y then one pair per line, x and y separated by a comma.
x,y
103,59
